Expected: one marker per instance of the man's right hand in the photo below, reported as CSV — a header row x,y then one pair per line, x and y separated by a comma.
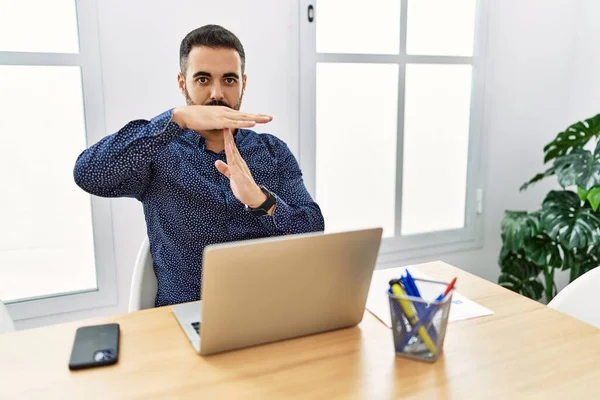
x,y
205,118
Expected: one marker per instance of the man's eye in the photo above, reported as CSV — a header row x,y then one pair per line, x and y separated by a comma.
x,y
202,80
229,81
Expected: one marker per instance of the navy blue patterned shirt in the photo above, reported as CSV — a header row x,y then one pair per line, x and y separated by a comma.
x,y
188,204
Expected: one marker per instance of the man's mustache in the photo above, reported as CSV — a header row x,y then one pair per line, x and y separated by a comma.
x,y
217,103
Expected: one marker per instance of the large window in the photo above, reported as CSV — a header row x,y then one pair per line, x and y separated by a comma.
x,y
391,118
56,251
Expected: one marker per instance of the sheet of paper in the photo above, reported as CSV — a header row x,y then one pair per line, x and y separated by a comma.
x,y
378,304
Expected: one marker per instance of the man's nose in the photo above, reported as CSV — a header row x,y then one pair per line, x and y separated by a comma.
x,y
216,92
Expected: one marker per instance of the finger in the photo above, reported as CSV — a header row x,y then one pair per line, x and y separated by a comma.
x,y
234,159
229,154
238,159
229,139
240,116
235,169
227,135
223,168
260,118
232,123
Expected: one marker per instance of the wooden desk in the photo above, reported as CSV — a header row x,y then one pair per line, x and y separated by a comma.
x,y
524,350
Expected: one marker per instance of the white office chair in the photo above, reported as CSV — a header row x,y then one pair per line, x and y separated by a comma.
x,y
143,284
6,322
580,298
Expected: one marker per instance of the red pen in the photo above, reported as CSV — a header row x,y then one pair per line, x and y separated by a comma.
x,y
448,289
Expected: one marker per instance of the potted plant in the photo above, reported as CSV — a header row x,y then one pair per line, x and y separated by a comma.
x,y
564,234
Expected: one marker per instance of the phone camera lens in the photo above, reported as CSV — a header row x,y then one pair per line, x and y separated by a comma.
x,y
104,355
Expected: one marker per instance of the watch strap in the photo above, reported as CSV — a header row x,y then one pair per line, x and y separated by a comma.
x,y
264,208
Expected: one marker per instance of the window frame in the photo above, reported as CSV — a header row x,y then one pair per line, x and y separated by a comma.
x,y
88,59
397,248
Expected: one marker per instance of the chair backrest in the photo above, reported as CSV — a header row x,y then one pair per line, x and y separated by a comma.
x,y
143,285
580,298
6,322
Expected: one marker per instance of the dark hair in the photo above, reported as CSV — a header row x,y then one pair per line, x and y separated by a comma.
x,y
214,36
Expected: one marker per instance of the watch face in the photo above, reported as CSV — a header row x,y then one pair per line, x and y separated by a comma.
x,y
264,208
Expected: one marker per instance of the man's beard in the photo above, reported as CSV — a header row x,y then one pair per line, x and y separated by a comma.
x,y
237,107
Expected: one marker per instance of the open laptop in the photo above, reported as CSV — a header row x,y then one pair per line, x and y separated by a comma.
x,y
265,290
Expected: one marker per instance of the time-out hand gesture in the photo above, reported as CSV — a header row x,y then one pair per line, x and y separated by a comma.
x,y
240,179
203,118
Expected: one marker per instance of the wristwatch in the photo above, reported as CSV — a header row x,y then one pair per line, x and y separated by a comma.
x,y
264,208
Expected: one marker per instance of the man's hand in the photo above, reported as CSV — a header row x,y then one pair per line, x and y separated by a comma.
x,y
240,179
205,118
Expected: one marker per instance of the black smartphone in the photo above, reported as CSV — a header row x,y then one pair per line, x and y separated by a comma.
x,y
95,346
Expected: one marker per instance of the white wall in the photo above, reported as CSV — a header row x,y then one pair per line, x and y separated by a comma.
x,y
139,43
542,75
585,85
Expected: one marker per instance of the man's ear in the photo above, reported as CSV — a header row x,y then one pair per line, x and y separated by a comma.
x,y
244,79
181,83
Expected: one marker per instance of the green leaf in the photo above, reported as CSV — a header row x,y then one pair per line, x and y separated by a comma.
x,y
582,193
568,222
580,261
542,251
594,198
587,266
549,172
575,136
580,167
520,275
569,259
517,226
549,285
575,272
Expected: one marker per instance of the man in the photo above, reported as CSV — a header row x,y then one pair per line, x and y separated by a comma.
x,y
201,176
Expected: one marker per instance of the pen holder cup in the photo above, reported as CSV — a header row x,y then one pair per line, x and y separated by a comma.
x,y
419,325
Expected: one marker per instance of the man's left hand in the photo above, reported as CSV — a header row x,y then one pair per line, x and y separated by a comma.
x,y
241,181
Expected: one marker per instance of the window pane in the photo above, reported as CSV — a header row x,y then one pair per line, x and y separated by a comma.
x,y
46,241
358,27
45,26
441,27
436,141
357,108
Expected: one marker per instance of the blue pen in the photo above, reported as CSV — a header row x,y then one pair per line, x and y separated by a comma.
x,y
412,290
411,281
424,319
427,315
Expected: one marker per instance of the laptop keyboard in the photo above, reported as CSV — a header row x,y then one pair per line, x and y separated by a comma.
x,y
196,326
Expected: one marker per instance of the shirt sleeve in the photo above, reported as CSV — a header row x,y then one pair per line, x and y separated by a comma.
x,y
295,212
120,165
